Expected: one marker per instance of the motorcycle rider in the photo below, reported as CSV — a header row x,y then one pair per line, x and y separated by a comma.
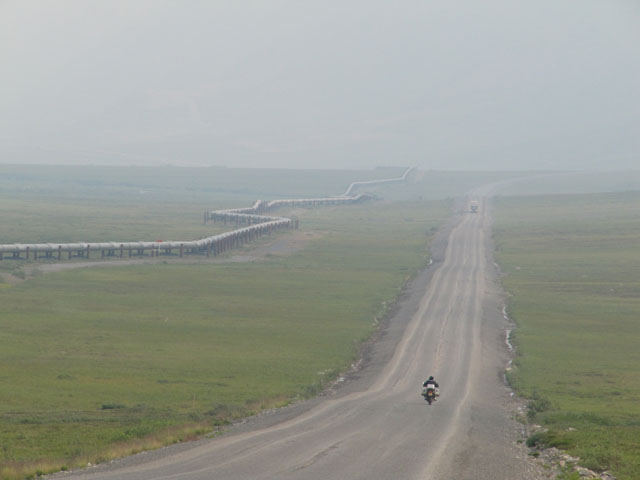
x,y
431,381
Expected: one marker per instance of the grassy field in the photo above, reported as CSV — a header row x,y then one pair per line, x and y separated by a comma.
x,y
99,363
224,187
572,267
575,183
67,204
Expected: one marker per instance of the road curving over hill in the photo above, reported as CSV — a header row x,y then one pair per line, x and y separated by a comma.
x,y
376,425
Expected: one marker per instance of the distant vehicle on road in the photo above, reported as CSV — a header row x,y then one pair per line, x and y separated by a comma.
x,y
474,206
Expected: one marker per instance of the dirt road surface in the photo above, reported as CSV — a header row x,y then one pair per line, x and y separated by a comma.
x,y
375,425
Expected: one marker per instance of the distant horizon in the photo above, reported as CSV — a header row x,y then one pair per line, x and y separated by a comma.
x,y
267,167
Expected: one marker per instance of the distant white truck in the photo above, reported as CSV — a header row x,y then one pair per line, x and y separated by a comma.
x,y
474,206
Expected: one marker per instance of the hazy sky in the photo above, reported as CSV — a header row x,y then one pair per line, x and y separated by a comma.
x,y
491,84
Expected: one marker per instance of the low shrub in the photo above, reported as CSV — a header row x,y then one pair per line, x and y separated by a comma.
x,y
537,404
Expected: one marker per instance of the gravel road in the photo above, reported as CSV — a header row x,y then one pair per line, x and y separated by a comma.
x,y
375,425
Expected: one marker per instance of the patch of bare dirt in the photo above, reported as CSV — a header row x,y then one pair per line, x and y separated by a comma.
x,y
10,278
281,246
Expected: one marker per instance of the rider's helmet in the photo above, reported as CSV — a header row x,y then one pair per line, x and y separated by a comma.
x,y
431,377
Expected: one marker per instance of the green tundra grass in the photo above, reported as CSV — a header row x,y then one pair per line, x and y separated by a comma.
x,y
90,204
102,362
572,266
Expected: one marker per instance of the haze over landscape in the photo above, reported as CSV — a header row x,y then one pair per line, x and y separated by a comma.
x,y
237,236
459,85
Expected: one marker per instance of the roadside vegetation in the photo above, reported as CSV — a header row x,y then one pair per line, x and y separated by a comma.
x,y
103,362
571,265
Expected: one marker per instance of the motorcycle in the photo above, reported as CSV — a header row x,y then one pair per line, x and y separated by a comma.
x,y
430,393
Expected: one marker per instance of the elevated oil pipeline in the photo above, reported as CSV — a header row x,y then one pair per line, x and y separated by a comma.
x,y
256,222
